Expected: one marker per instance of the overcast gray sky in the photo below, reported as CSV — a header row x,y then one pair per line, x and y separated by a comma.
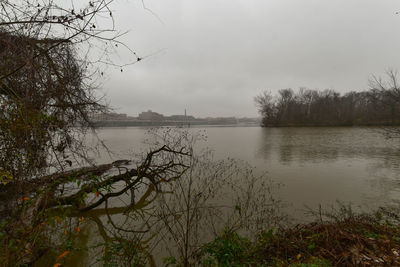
x,y
214,56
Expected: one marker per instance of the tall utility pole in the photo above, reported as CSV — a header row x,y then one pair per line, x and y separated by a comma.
x,y
186,120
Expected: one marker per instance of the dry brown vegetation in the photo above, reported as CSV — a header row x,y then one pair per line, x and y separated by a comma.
x,y
345,239
352,242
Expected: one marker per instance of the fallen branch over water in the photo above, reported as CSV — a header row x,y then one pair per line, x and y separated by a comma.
x,y
39,198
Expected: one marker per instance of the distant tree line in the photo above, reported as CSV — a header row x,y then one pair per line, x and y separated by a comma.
x,y
377,106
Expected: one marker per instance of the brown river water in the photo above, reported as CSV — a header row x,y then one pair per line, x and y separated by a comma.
x,y
314,166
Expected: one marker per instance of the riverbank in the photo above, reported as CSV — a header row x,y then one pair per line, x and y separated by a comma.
x,y
354,240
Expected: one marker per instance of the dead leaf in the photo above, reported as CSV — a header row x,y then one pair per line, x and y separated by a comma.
x,y
65,253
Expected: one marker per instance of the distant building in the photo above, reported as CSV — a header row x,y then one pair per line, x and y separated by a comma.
x,y
180,118
151,116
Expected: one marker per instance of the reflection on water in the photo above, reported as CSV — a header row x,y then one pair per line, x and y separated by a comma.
x,y
326,145
315,164
116,223
346,163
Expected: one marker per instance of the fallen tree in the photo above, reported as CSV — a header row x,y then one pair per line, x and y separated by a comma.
x,y
81,190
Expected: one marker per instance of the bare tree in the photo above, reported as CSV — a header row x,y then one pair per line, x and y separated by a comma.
x,y
386,92
266,107
46,86
47,94
210,197
376,106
